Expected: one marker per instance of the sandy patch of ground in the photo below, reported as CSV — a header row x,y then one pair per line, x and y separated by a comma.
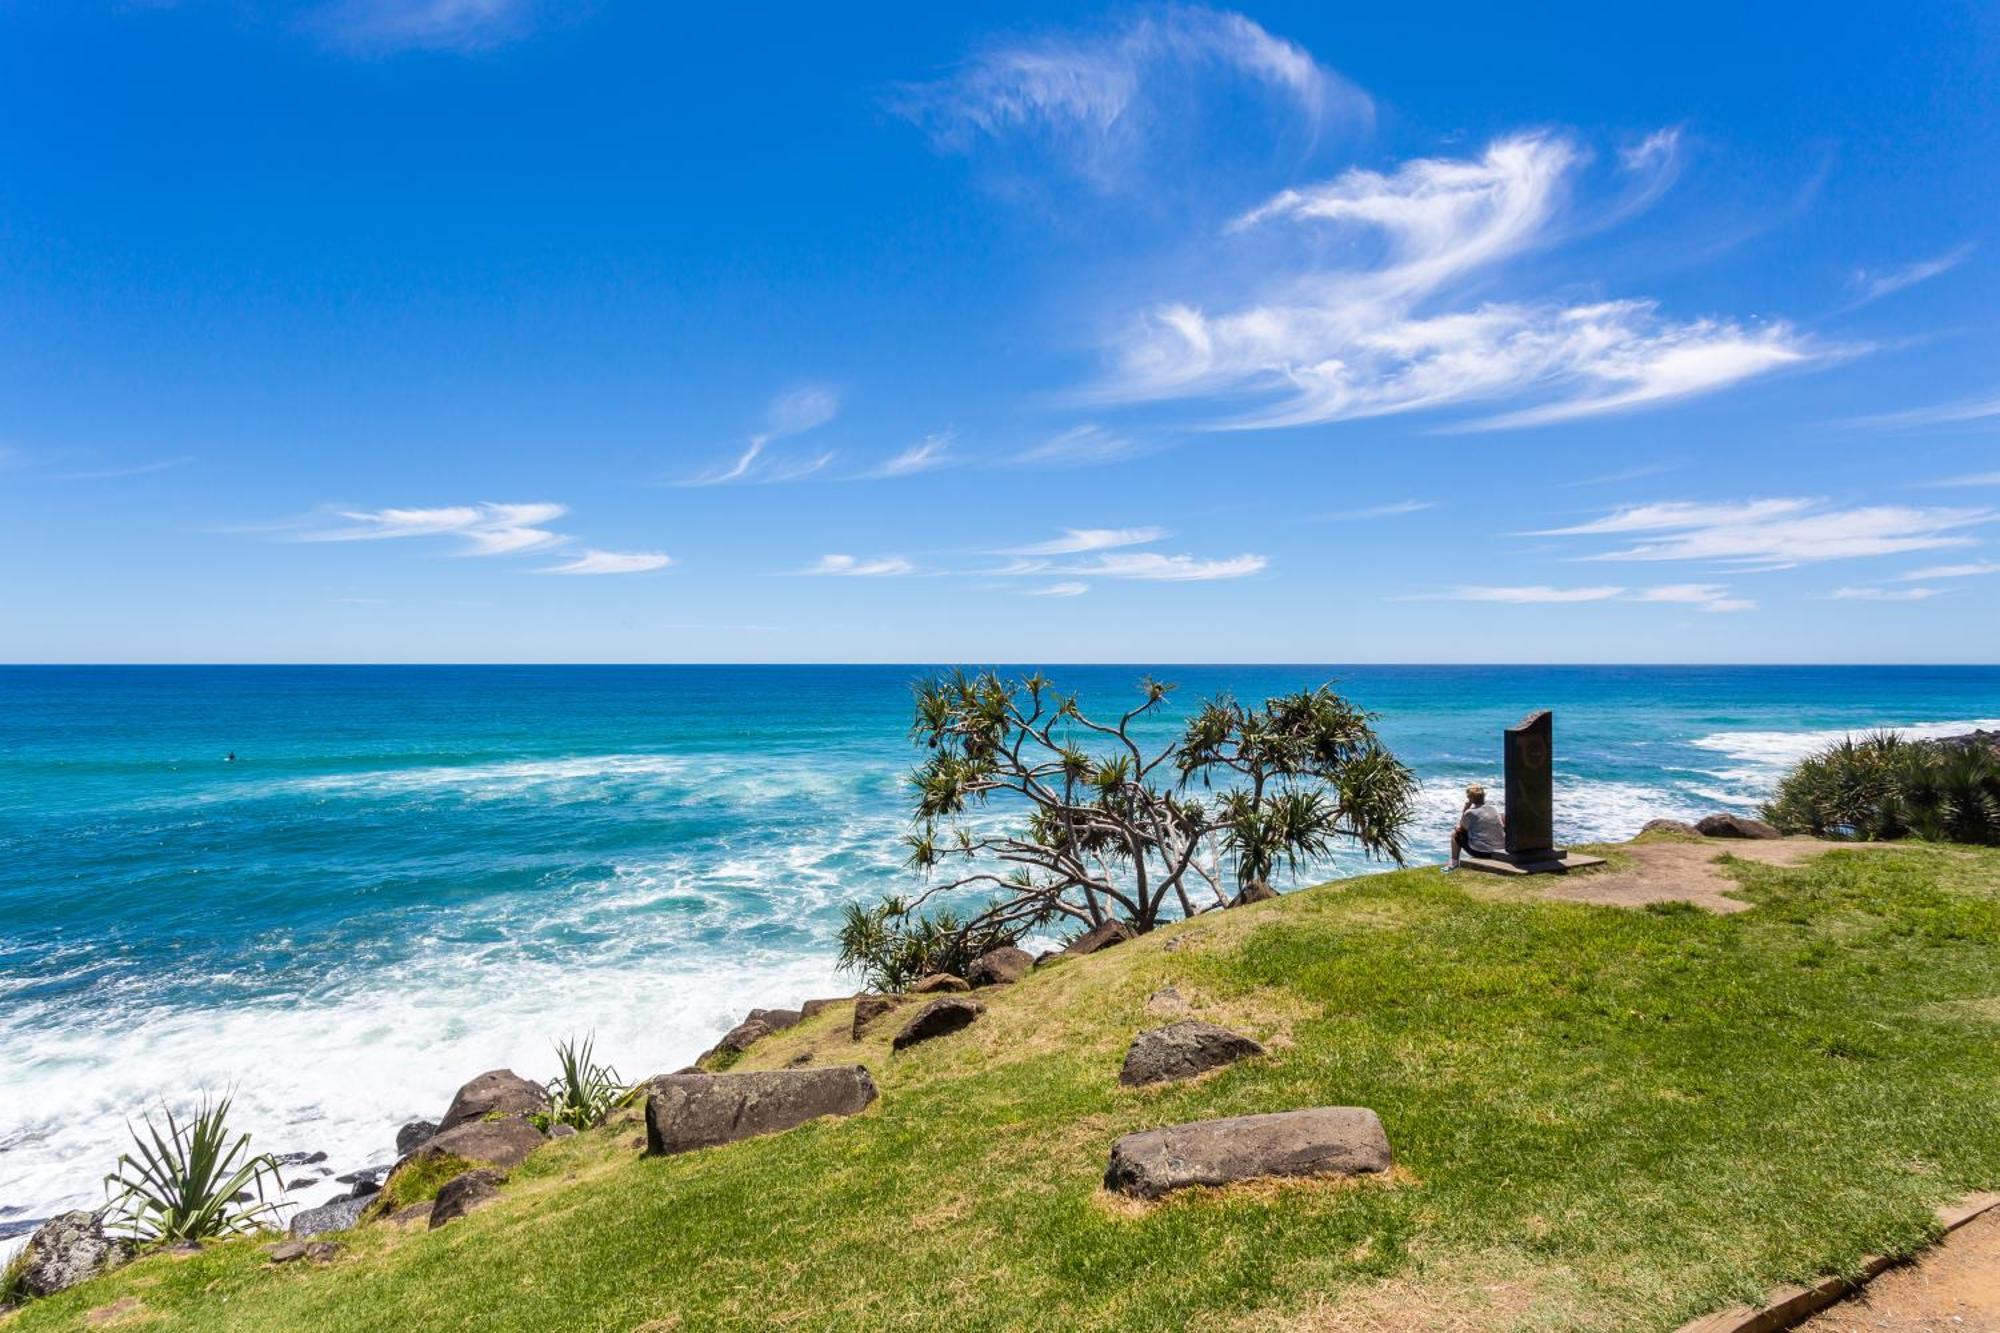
x,y
1688,872
1954,1288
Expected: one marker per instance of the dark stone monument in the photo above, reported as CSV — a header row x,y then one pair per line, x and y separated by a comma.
x,y
1529,751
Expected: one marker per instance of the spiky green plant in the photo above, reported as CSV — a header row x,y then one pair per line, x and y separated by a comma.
x,y
892,946
583,1091
183,1184
1882,787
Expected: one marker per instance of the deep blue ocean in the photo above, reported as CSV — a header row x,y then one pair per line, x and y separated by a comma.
x,y
411,874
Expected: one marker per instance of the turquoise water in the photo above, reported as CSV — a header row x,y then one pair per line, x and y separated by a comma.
x,y
409,875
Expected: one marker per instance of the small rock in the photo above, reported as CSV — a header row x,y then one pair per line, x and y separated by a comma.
x,y
365,1181
1048,956
684,1113
868,1008
463,1193
1734,826
776,1019
1182,1050
940,981
1099,937
291,1251
67,1249
299,1158
411,1136
502,1143
937,1019
1256,891
336,1216
1322,1141
802,1058
495,1092
562,1131
1166,1002
416,1214
1000,967
1680,826
302,1183
814,1008
740,1038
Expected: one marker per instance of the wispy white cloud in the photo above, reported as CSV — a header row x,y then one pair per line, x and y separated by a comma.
x,y
1066,589
1079,446
1637,472
1393,509
789,414
1972,479
855,567
1101,100
1873,285
1712,597
1530,594
1414,330
482,529
1144,565
1077,540
1875,593
131,470
1956,413
611,562
1965,571
1702,596
1775,533
927,454
387,26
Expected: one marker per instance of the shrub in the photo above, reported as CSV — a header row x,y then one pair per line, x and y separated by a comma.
x,y
1883,787
892,946
584,1091
183,1184
417,1181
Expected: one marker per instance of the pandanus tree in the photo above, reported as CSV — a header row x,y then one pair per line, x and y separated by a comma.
x,y
1066,818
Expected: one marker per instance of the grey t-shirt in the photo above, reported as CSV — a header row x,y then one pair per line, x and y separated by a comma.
x,y
1484,831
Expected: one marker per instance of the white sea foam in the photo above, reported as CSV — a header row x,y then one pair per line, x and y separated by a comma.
x,y
1777,750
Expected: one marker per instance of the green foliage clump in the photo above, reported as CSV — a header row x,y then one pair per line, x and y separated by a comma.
x,y
1883,787
583,1091
419,1180
892,946
182,1185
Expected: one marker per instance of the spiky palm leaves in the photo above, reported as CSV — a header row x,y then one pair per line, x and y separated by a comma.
x,y
1883,787
183,1184
583,1091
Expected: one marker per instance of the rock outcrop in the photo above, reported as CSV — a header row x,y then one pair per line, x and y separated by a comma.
x,y
411,1136
336,1216
740,1038
868,1008
67,1249
689,1111
814,1008
1322,1141
1256,891
777,1020
1734,826
938,982
1099,937
1183,1050
1000,967
1679,826
938,1018
463,1193
495,1092
503,1143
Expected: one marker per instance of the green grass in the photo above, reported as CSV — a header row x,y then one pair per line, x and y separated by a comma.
x,y
418,1182
1603,1119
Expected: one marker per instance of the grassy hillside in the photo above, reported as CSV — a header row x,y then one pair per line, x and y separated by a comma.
x,y
1603,1118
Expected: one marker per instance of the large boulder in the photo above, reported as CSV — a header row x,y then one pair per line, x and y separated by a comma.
x,y
868,1008
689,1111
503,1143
1098,937
1322,1141
1182,1050
1000,967
336,1216
814,1008
1734,826
495,1092
412,1135
938,1018
777,1020
463,1193
938,982
67,1249
1256,891
1679,827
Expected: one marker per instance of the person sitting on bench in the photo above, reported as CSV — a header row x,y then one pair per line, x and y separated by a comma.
x,y
1481,830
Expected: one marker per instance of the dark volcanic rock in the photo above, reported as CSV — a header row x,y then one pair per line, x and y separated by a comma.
x,y
868,1008
1734,826
67,1249
814,1008
939,1018
504,1143
336,1216
562,1131
365,1181
1322,1141
463,1193
1099,937
938,982
775,1019
1680,826
299,1158
684,1113
291,1251
1182,1050
495,1092
741,1037
1256,891
411,1136
1000,967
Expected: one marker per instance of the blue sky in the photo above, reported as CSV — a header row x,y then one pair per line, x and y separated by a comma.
x,y
491,330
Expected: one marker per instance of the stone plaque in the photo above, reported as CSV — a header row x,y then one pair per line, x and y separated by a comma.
x,y
1531,828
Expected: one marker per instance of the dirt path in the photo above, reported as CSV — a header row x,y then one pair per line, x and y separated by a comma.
x,y
1658,872
1954,1288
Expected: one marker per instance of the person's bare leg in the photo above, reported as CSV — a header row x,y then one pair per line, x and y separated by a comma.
x,y
1457,846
